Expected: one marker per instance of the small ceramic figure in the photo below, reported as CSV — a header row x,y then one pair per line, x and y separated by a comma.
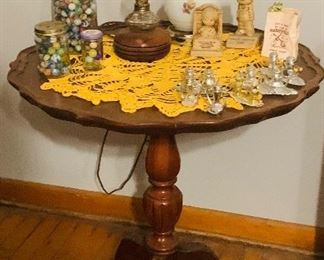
x,y
245,36
245,18
251,82
245,90
272,66
189,88
208,24
188,6
276,85
211,89
276,7
291,69
209,20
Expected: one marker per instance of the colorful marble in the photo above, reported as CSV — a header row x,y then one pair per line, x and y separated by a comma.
x,y
52,46
92,49
78,15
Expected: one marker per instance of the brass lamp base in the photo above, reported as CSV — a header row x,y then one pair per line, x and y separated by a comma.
x,y
142,45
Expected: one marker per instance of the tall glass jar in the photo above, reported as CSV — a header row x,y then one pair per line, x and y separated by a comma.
x,y
92,49
78,15
53,48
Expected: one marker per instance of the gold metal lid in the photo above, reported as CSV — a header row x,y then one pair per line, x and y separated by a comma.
x,y
50,28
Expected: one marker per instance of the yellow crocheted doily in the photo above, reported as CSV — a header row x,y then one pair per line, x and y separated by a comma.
x,y
138,85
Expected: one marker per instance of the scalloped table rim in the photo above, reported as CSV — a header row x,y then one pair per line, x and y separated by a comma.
x,y
24,76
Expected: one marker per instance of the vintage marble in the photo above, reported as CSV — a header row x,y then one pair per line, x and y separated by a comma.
x,y
78,15
92,49
53,48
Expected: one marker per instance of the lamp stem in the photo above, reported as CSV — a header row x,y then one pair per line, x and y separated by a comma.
x,y
142,5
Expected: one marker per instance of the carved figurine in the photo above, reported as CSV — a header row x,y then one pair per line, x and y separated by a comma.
x,y
212,90
292,70
188,6
245,36
207,31
189,88
276,85
245,18
272,66
245,89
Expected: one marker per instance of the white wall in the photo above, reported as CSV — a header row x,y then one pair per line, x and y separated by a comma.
x,y
270,170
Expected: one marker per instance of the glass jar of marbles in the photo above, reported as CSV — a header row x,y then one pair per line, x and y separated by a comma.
x,y
78,15
53,48
92,49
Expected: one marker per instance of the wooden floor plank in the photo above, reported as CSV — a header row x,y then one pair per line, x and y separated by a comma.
x,y
19,235
217,247
71,238
97,239
283,255
235,251
56,240
33,243
108,249
8,224
254,253
77,243
3,213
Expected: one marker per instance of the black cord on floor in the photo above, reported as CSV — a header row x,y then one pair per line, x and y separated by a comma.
x,y
131,172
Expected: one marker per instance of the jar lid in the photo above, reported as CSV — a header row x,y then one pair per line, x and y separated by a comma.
x,y
50,28
91,34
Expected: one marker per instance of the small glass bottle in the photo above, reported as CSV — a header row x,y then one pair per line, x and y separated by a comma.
x,y
92,49
78,15
53,48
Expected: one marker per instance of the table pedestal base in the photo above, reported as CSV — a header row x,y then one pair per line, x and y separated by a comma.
x,y
162,203
131,250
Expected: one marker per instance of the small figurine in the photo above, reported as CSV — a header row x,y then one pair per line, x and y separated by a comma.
x,y
207,32
245,36
291,71
188,6
245,18
276,7
189,88
276,85
245,90
251,82
273,65
212,90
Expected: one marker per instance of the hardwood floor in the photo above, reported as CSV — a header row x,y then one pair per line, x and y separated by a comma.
x,y
29,234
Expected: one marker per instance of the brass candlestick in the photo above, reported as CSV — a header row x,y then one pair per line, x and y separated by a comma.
x,y
143,40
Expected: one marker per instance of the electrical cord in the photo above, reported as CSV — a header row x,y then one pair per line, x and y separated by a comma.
x,y
99,162
131,172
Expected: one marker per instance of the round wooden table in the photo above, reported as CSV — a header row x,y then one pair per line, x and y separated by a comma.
x,y
162,201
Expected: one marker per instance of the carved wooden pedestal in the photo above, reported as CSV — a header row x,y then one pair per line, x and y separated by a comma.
x,y
162,204
163,200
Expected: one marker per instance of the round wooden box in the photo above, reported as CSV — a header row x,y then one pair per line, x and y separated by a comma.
x,y
142,46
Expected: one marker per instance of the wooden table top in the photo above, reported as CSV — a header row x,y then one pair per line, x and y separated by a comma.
x,y
24,76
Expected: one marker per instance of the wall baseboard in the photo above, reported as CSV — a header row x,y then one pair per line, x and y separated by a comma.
x,y
195,219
